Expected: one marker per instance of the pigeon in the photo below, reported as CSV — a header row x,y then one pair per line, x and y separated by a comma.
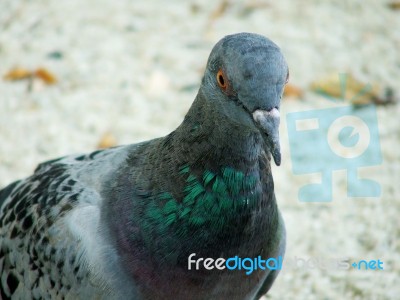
x,y
125,222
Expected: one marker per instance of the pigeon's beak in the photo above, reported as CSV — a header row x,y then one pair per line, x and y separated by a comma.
x,y
268,122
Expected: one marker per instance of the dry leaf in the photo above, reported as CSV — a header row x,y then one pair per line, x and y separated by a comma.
x,y
394,5
17,74
107,141
46,76
22,73
292,91
349,89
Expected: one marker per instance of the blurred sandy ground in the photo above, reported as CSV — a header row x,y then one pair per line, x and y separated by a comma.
x,y
131,69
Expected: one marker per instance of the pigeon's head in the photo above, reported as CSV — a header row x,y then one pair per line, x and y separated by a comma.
x,y
245,77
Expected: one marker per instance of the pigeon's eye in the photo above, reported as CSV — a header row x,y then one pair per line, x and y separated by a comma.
x,y
221,80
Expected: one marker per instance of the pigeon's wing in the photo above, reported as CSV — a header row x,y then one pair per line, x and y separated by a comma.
x,y
51,244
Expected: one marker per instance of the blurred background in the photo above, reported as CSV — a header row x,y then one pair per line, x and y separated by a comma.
x,y
80,75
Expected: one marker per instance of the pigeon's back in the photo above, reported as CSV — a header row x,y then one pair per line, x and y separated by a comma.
x,y
51,242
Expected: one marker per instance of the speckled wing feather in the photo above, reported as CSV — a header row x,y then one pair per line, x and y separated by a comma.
x,y
49,223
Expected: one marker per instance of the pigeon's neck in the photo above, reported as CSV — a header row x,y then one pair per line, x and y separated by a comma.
x,y
210,175
213,138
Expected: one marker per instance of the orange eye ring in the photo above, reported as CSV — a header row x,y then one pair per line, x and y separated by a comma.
x,y
221,80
